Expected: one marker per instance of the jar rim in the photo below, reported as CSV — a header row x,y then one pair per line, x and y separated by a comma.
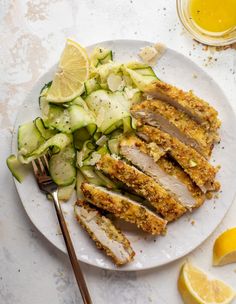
x,y
197,34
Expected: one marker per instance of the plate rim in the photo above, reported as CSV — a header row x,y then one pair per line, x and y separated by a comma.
x,y
63,250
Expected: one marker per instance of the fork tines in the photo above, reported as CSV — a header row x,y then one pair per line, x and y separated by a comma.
x,y
41,165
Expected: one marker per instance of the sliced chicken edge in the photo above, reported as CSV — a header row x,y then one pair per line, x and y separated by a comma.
x,y
172,168
165,204
105,235
151,149
197,108
200,171
171,183
159,121
124,208
205,139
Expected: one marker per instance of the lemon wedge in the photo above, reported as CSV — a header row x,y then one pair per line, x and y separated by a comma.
x,y
196,287
224,250
72,72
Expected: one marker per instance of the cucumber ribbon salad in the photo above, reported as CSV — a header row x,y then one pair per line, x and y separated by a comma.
x,y
77,132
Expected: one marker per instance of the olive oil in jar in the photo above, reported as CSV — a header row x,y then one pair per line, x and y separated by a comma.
x,y
213,15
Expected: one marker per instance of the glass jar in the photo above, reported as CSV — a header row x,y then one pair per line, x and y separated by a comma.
x,y
199,34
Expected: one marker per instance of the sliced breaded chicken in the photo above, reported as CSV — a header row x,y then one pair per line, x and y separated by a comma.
x,y
164,172
200,171
160,114
124,208
151,149
106,236
173,169
187,102
145,186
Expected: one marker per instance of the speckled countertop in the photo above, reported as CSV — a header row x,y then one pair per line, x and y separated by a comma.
x,y
32,35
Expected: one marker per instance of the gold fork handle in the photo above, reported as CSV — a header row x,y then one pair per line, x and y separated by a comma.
x,y
71,252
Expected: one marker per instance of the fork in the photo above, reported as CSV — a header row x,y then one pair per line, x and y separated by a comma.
x,y
47,185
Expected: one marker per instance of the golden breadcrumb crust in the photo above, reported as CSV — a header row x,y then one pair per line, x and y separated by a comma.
x,y
112,232
124,208
173,168
183,122
200,171
169,207
151,149
198,108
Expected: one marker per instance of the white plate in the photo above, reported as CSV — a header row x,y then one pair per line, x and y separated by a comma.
x,y
182,236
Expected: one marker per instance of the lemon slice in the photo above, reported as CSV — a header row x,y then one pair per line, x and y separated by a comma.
x,y
224,250
72,72
196,287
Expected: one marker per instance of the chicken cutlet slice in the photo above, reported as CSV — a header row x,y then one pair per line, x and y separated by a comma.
x,y
195,107
105,235
124,208
200,171
152,150
160,114
168,175
171,167
143,185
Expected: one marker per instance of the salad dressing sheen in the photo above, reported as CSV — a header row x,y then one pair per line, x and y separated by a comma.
x,y
213,15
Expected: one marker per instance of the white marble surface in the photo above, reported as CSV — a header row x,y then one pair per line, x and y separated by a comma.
x,y
32,35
